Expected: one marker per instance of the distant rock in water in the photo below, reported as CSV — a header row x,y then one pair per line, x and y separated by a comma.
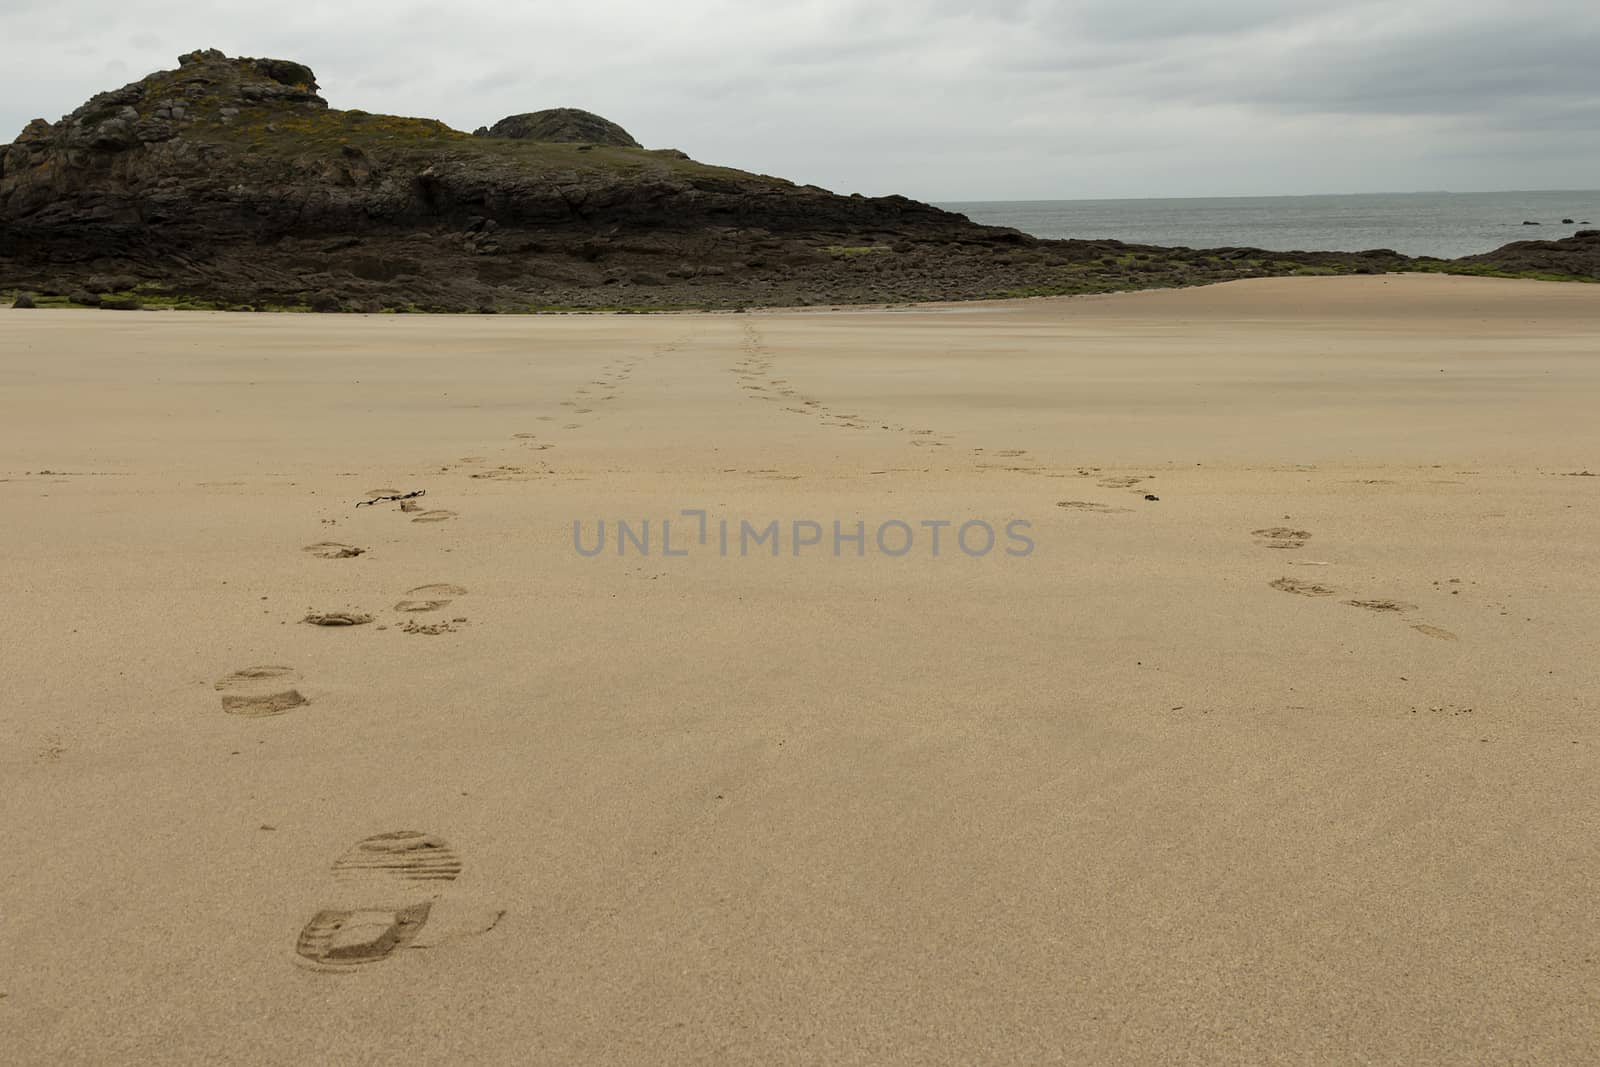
x,y
1525,222
568,125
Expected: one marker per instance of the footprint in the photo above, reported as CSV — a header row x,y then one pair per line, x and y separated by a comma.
x,y
333,550
421,605
1433,631
386,887
337,938
430,597
1090,505
1281,537
403,855
430,629
257,692
437,515
337,618
264,705
255,676
440,589
1382,605
1300,588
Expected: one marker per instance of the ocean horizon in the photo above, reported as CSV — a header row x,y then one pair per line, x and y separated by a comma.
x,y
1441,224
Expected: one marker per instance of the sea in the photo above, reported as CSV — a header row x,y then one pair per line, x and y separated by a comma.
x,y
1444,225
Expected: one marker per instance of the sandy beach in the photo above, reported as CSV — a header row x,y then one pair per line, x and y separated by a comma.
x,y
1278,744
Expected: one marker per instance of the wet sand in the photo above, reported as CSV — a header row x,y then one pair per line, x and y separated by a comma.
x,y
1295,763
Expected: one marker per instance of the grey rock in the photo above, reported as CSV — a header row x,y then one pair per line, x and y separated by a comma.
x,y
153,131
566,125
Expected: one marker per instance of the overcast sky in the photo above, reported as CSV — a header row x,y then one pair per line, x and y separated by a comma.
x,y
938,99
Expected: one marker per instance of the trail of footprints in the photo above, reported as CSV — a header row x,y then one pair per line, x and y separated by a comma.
x,y
260,691
754,372
1283,537
421,599
1134,483
588,399
387,886
384,890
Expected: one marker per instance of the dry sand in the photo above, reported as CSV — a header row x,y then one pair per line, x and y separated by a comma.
x,y
1156,793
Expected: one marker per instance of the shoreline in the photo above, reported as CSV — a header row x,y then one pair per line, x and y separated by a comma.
x,y
7,297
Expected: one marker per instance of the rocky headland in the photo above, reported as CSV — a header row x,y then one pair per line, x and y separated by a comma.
x,y
230,183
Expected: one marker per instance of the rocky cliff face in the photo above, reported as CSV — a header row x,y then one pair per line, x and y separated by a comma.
x,y
231,180
126,153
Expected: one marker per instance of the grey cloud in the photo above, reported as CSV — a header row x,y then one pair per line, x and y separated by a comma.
x,y
1475,59
941,99
1121,20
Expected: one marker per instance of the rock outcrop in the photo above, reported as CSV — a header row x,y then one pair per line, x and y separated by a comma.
x,y
562,125
1577,256
231,181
